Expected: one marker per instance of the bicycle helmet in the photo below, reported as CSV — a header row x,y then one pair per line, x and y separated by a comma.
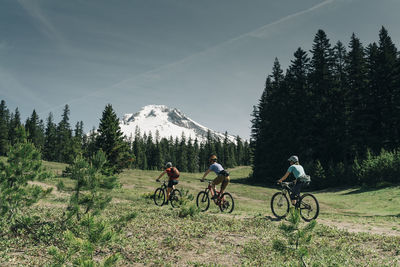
x,y
213,158
293,159
168,165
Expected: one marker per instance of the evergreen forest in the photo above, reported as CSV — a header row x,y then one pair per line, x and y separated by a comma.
x,y
337,108
58,142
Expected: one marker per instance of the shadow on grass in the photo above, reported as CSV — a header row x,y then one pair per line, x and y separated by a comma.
x,y
273,219
365,189
247,181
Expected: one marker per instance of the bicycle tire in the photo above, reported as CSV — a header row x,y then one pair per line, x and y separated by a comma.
x,y
228,204
280,205
159,197
309,206
175,198
203,201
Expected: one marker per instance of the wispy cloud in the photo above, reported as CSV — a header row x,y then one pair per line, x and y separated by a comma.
x,y
12,88
43,23
260,32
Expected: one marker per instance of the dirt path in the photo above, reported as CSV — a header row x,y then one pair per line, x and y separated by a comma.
x,y
351,227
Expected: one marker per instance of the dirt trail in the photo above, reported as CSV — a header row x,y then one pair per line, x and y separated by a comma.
x,y
351,227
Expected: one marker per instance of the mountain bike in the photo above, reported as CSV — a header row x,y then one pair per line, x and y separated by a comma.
x,y
175,195
224,202
306,203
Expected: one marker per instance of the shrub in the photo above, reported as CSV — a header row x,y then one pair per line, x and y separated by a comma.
x,y
187,207
378,169
23,165
297,239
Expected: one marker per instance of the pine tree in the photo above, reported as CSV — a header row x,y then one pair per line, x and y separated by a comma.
x,y
23,164
15,123
77,140
374,99
387,60
239,151
299,103
50,139
35,130
357,98
182,160
4,121
64,138
111,141
321,91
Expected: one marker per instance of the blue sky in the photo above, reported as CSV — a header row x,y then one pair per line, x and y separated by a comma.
x,y
207,58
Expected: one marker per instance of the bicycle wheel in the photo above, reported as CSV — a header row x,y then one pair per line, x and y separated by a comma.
x,y
227,204
280,205
203,201
309,207
159,197
175,198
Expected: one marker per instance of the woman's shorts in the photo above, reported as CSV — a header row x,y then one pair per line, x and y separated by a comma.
x,y
171,183
222,179
296,189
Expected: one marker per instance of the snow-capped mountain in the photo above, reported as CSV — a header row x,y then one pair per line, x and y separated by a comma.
x,y
168,122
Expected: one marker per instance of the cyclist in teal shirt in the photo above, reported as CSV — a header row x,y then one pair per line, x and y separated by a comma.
x,y
299,174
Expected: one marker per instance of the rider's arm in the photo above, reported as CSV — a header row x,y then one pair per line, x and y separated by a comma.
x,y
205,174
284,177
161,175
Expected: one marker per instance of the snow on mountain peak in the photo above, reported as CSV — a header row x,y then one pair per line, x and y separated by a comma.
x,y
166,122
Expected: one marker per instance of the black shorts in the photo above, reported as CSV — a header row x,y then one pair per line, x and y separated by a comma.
x,y
296,189
171,183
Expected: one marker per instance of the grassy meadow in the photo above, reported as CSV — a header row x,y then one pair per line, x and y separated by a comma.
x,y
356,227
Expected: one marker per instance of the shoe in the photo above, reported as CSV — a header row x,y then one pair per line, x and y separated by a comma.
x,y
214,197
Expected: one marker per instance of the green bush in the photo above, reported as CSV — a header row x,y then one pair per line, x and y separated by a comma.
x,y
297,240
23,165
378,169
187,207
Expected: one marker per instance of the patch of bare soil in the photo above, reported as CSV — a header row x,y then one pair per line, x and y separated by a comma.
x,y
361,228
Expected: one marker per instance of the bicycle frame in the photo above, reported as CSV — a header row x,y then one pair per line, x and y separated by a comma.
x,y
306,207
209,188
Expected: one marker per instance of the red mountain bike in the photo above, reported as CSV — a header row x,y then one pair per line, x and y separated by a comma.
x,y
224,202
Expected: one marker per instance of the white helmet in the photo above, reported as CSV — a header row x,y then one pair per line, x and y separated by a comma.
x,y
168,165
293,159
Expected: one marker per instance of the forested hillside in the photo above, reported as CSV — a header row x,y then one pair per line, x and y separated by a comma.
x,y
335,107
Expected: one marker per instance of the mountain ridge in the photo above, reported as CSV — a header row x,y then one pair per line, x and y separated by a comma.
x,y
167,122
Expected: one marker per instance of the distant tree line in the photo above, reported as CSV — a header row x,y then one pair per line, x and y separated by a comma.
x,y
187,154
60,143
335,108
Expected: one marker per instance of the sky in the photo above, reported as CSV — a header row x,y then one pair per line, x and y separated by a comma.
x,y
207,58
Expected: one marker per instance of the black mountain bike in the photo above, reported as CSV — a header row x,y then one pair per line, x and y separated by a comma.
x,y
306,203
224,202
160,196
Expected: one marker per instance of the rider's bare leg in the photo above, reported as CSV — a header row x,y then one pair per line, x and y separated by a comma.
x,y
212,190
168,192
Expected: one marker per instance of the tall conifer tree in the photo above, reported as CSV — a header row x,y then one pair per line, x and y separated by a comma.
x,y
111,141
4,121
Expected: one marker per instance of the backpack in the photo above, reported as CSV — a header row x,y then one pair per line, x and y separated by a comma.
x,y
305,179
174,172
